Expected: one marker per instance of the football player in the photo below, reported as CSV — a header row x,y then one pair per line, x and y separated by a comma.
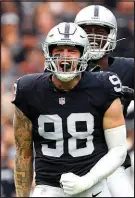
x,y
73,117
101,27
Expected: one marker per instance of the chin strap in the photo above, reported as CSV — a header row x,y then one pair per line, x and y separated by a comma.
x,y
97,68
93,66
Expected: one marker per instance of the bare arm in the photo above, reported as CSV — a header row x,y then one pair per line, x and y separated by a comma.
x,y
114,116
115,136
23,173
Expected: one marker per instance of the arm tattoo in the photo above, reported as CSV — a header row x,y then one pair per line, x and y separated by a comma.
x,y
24,154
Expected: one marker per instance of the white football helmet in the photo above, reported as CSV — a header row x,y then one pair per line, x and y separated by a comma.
x,y
69,34
101,16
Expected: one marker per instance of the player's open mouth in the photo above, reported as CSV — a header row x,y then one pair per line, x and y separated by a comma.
x,y
65,66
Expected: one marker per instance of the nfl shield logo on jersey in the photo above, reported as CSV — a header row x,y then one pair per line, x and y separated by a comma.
x,y
62,101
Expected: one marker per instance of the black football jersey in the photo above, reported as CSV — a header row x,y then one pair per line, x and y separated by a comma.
x,y
67,126
124,68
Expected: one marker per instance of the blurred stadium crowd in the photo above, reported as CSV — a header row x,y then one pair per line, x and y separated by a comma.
x,y
24,26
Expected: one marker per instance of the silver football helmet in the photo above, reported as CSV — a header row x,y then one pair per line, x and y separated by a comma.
x,y
69,34
101,16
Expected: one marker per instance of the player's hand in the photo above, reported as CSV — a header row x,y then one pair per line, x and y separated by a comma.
x,y
72,184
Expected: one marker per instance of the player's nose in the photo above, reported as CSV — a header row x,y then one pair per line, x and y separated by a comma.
x,y
65,52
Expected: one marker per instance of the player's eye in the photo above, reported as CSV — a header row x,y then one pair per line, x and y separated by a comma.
x,y
72,51
100,32
58,50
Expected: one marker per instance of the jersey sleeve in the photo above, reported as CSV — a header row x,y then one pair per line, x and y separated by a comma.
x,y
131,62
21,94
129,72
113,89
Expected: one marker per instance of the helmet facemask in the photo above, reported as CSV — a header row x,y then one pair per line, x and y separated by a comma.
x,y
100,45
65,68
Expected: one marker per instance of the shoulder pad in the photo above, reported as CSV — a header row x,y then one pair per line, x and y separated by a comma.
x,y
25,84
27,81
111,81
112,87
23,88
128,61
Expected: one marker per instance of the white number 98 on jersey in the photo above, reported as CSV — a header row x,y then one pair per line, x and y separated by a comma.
x,y
58,134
